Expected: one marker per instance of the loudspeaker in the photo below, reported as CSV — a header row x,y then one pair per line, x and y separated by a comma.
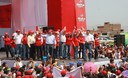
x,y
119,39
47,28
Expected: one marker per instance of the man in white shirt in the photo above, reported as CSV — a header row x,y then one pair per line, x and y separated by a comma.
x,y
63,53
31,44
88,43
18,62
31,64
18,37
50,43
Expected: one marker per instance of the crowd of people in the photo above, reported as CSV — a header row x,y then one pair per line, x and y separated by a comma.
x,y
45,69
58,44
50,45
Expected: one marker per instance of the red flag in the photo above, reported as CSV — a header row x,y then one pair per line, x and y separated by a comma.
x,y
37,28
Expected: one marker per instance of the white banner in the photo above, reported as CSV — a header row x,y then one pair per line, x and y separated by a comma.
x,y
29,14
76,73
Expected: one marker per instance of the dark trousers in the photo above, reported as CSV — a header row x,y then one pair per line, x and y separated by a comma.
x,y
44,49
25,54
82,49
8,49
49,49
96,52
56,52
32,51
39,52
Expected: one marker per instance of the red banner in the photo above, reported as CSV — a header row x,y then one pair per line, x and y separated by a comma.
x,y
5,16
80,14
68,14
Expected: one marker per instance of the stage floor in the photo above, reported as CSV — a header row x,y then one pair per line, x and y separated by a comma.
x,y
98,62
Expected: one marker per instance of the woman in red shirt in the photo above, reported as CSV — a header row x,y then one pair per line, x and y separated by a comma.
x,y
13,45
81,39
7,42
96,45
75,42
25,53
68,44
39,43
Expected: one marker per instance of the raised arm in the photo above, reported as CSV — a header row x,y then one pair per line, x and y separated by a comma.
x,y
63,30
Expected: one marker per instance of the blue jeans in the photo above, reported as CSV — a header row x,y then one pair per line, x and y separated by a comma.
x,y
13,50
56,52
44,50
19,49
63,50
25,53
75,52
89,47
49,49
68,50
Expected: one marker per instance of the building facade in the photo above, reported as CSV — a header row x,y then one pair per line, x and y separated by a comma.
x,y
109,29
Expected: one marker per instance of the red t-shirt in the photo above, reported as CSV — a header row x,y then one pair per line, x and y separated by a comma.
x,y
68,40
81,39
57,41
13,43
97,42
7,41
25,40
39,41
75,42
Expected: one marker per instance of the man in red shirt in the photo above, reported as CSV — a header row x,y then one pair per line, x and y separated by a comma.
x,y
25,53
96,45
7,42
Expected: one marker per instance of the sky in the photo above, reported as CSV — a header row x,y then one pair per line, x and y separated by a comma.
x,y
100,11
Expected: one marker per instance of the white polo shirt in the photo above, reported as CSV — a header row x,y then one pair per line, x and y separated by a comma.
x,y
50,39
18,64
88,37
62,38
18,38
31,39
